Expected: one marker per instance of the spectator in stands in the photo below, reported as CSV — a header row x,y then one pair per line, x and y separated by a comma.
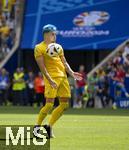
x,y
110,74
10,23
18,79
11,39
30,87
118,59
4,85
92,87
4,30
72,84
2,18
86,96
80,86
100,72
7,7
39,89
126,50
108,66
126,59
7,26
5,49
12,11
127,73
102,90
24,87
111,70
119,79
1,54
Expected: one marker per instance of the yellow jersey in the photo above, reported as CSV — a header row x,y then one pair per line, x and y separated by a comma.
x,y
53,65
4,31
7,5
18,85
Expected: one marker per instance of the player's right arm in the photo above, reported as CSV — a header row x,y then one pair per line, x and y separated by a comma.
x,y
40,61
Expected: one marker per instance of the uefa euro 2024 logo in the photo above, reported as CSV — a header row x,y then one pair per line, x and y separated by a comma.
x,y
92,18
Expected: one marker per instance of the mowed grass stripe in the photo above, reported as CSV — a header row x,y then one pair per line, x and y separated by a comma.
x,y
90,129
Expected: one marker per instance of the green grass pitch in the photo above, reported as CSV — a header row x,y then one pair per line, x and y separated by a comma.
x,y
78,129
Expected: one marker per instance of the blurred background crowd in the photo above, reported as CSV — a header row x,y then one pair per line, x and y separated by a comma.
x,y
7,27
99,90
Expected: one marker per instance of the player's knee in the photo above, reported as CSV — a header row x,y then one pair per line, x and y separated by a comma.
x,y
65,105
49,105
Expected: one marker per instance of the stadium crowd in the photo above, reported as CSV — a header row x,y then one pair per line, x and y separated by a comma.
x,y
7,27
21,88
103,87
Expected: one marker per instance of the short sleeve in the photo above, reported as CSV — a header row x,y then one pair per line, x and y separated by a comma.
x,y
61,53
37,52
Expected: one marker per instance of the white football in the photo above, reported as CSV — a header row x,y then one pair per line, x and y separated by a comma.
x,y
53,49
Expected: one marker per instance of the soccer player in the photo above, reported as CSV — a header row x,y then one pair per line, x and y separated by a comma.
x,y
56,84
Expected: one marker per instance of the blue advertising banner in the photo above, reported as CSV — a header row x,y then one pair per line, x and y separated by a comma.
x,y
81,24
119,96
122,103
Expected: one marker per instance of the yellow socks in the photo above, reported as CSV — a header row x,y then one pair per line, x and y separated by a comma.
x,y
43,112
57,112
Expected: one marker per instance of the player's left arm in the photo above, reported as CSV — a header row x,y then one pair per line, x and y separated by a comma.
x,y
75,75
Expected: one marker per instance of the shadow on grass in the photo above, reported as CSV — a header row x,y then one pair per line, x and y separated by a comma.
x,y
87,111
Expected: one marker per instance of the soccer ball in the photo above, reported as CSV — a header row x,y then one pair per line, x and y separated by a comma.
x,y
53,49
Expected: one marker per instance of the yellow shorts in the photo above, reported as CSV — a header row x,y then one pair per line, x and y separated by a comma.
x,y
63,88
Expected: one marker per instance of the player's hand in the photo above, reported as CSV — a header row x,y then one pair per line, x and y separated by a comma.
x,y
77,76
53,84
